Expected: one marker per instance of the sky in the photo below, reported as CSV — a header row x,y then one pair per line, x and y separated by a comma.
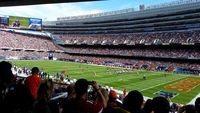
x,y
50,12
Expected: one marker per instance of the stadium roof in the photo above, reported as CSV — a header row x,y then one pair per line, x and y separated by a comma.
x,y
4,3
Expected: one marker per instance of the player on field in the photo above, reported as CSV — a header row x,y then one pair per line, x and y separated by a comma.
x,y
165,74
144,77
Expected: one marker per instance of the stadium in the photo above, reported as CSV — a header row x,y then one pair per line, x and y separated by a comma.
x,y
154,50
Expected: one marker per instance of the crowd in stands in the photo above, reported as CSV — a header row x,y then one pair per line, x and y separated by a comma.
x,y
147,52
25,41
102,60
29,54
162,53
133,62
24,45
22,53
34,95
136,38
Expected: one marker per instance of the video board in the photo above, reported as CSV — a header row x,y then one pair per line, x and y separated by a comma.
x,y
18,22
25,22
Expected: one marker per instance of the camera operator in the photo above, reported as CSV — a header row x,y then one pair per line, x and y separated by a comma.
x,y
81,104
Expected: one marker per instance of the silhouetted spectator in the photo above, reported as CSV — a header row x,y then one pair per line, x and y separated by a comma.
x,y
160,105
43,104
148,106
174,108
80,104
70,95
197,104
71,91
18,99
6,77
187,109
133,102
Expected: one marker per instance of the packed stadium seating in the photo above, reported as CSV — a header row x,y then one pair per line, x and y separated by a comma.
x,y
38,47
162,38
25,45
165,35
150,52
170,38
131,39
25,41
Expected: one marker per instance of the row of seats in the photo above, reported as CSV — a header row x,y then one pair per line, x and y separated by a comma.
x,y
137,38
148,52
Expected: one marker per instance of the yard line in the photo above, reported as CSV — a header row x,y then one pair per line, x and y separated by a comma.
x,y
160,84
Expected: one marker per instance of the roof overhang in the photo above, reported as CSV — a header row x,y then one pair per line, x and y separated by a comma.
x,y
4,3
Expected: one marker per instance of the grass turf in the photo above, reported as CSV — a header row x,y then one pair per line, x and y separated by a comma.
x,y
106,76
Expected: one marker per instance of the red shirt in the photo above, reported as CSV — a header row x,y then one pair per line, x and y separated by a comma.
x,y
33,82
75,105
97,106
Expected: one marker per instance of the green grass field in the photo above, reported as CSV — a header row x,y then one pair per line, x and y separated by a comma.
x,y
131,81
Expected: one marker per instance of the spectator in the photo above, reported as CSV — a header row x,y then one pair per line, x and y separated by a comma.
x,y
33,82
43,104
98,102
112,102
174,108
70,95
148,106
80,104
71,91
160,105
133,102
6,77
18,99
187,109
197,104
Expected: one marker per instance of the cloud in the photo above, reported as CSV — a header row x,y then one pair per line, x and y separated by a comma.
x,y
48,11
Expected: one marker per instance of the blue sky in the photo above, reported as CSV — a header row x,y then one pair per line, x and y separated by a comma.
x,y
52,11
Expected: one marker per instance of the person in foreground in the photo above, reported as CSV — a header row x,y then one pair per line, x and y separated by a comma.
x,y
81,104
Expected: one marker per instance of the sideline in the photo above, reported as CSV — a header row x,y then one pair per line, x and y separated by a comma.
x,y
194,99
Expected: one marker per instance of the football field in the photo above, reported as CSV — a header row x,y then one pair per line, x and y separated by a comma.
x,y
186,87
